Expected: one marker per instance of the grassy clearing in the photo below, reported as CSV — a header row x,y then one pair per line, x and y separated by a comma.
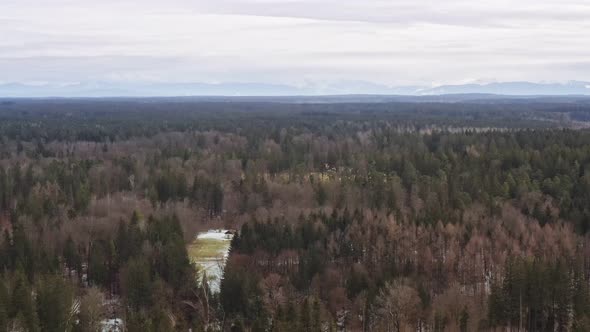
x,y
208,251
204,249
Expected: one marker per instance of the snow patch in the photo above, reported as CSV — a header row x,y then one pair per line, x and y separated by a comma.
x,y
111,325
219,234
213,264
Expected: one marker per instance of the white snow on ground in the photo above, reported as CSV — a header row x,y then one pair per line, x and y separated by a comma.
x,y
218,234
111,325
213,265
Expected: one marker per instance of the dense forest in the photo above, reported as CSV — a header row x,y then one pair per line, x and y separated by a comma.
x,y
351,216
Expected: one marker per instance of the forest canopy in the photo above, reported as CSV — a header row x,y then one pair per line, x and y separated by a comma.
x,y
357,216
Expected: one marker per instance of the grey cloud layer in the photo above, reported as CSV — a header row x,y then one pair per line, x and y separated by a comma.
x,y
451,12
294,41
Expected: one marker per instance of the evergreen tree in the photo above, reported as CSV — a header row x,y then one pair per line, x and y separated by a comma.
x,y
138,284
22,305
4,306
54,304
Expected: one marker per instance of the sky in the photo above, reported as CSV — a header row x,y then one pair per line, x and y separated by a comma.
x,y
295,42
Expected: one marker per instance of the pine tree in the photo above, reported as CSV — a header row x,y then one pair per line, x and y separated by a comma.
x,y
22,305
316,324
4,303
97,264
138,283
54,304
463,320
304,316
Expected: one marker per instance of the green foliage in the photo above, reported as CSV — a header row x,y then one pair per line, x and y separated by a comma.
x,y
98,263
437,193
4,306
137,281
536,295
207,194
22,306
55,304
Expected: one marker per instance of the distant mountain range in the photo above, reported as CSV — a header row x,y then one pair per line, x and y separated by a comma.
x,y
514,89
110,89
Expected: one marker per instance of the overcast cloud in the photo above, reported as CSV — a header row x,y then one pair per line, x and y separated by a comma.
x,y
295,42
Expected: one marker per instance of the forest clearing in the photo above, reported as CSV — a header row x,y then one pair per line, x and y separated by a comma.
x,y
209,251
